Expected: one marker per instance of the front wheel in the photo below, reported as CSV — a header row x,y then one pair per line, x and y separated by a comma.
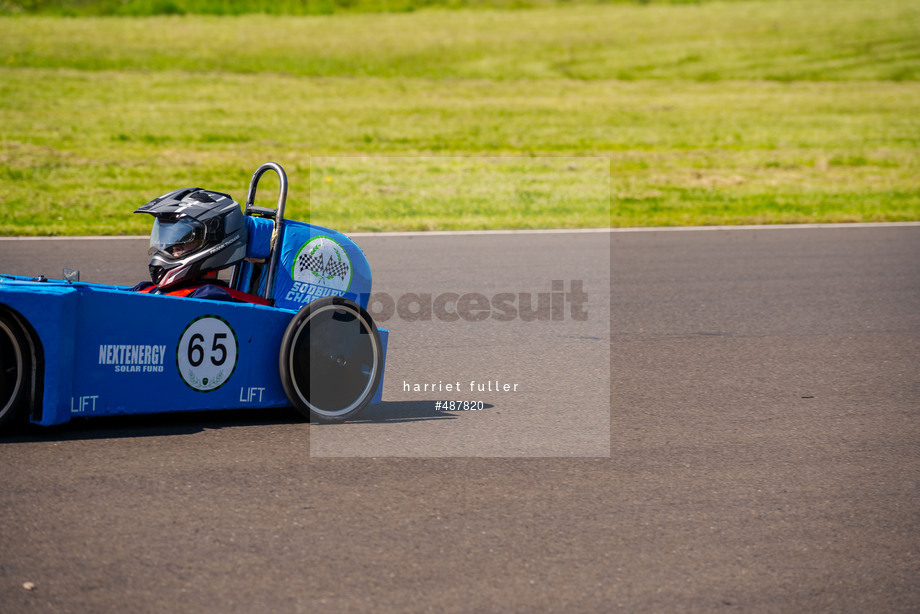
x,y
12,368
331,359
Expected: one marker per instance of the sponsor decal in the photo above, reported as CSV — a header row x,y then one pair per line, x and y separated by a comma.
x,y
133,358
251,394
323,262
303,292
83,405
207,353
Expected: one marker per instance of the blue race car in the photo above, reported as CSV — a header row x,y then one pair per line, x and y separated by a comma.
x,y
289,328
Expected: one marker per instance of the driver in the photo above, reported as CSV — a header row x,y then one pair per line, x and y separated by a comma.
x,y
196,233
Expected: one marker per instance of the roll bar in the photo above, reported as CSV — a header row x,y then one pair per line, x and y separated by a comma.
x,y
276,214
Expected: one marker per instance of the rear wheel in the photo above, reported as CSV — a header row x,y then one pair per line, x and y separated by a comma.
x,y
331,359
12,368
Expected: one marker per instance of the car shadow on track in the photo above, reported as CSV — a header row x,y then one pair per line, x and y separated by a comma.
x,y
189,423
407,411
150,425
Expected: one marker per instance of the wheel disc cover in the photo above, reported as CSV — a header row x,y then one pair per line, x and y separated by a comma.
x,y
333,361
11,369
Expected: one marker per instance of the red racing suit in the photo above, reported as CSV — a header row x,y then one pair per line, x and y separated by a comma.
x,y
211,289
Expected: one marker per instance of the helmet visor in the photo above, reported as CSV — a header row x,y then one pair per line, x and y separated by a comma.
x,y
176,238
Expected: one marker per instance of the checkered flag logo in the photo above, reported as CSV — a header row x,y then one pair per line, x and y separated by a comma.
x,y
327,270
324,262
309,262
336,269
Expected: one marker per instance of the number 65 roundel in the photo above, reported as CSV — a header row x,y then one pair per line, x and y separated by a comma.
x,y
206,354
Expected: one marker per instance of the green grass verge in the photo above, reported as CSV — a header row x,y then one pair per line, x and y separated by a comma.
x,y
721,113
778,40
147,8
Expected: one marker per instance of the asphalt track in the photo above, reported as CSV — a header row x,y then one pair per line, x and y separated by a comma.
x,y
761,451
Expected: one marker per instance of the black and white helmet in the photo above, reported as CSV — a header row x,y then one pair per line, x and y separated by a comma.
x,y
196,231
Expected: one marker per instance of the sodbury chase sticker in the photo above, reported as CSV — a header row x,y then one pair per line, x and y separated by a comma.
x,y
323,262
206,354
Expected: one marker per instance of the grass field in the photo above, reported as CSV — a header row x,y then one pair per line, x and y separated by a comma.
x,y
146,8
620,114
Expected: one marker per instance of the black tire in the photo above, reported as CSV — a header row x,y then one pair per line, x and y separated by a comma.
x,y
14,358
331,359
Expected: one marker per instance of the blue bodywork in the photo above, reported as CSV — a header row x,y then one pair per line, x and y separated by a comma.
x,y
107,350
